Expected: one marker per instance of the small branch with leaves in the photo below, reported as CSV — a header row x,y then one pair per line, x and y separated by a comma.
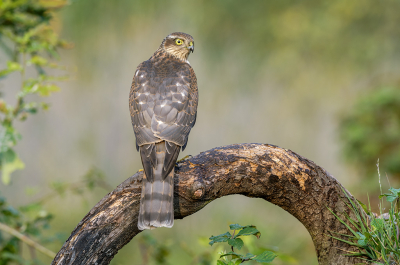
x,y
235,241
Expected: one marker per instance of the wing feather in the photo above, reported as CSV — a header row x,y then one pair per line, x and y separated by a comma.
x,y
163,107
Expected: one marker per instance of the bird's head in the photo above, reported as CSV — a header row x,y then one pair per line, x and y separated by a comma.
x,y
178,44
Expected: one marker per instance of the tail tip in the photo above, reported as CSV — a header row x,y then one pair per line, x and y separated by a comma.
x,y
154,225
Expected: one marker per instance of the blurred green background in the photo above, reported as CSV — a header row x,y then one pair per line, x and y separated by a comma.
x,y
287,73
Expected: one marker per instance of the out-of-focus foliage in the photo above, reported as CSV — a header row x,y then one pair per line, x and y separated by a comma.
x,y
29,41
335,35
151,249
31,45
29,220
371,131
32,219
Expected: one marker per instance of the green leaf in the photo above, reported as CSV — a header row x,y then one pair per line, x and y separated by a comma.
x,y
10,211
363,206
13,66
235,262
220,238
247,231
38,60
362,242
221,262
360,236
235,227
265,257
4,72
236,243
8,138
394,191
377,223
391,198
238,261
248,256
45,90
44,106
233,254
9,163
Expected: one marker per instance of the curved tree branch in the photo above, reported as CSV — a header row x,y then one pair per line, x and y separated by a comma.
x,y
277,175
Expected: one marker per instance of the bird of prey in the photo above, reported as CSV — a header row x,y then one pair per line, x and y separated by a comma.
x,y
163,106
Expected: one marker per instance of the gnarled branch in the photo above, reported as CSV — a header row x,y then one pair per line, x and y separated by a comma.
x,y
277,175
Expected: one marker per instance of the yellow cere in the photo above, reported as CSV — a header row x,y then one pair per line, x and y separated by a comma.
x,y
191,43
178,42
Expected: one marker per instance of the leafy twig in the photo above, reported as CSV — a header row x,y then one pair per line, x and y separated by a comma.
x,y
234,240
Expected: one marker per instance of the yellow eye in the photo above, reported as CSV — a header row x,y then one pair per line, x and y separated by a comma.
x,y
191,43
179,42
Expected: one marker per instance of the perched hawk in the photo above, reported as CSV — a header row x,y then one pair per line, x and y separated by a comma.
x,y
163,105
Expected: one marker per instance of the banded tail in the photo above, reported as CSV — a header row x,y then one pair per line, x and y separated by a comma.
x,y
157,200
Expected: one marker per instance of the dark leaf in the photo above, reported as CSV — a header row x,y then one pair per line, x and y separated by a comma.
x,y
248,256
250,230
364,207
233,254
236,243
235,226
265,257
219,238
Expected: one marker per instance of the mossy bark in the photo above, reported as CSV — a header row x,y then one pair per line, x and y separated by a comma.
x,y
277,175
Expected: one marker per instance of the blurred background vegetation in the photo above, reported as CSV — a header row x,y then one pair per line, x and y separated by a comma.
x,y
318,77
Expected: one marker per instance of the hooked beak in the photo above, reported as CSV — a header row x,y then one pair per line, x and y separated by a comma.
x,y
191,48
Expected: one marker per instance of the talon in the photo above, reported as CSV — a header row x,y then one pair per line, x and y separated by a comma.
x,y
186,157
140,170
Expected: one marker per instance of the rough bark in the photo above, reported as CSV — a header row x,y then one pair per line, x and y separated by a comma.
x,y
277,175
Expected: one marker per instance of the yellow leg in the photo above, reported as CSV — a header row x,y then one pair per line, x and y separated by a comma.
x,y
186,157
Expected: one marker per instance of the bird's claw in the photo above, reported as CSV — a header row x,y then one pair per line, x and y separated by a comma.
x,y
182,159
